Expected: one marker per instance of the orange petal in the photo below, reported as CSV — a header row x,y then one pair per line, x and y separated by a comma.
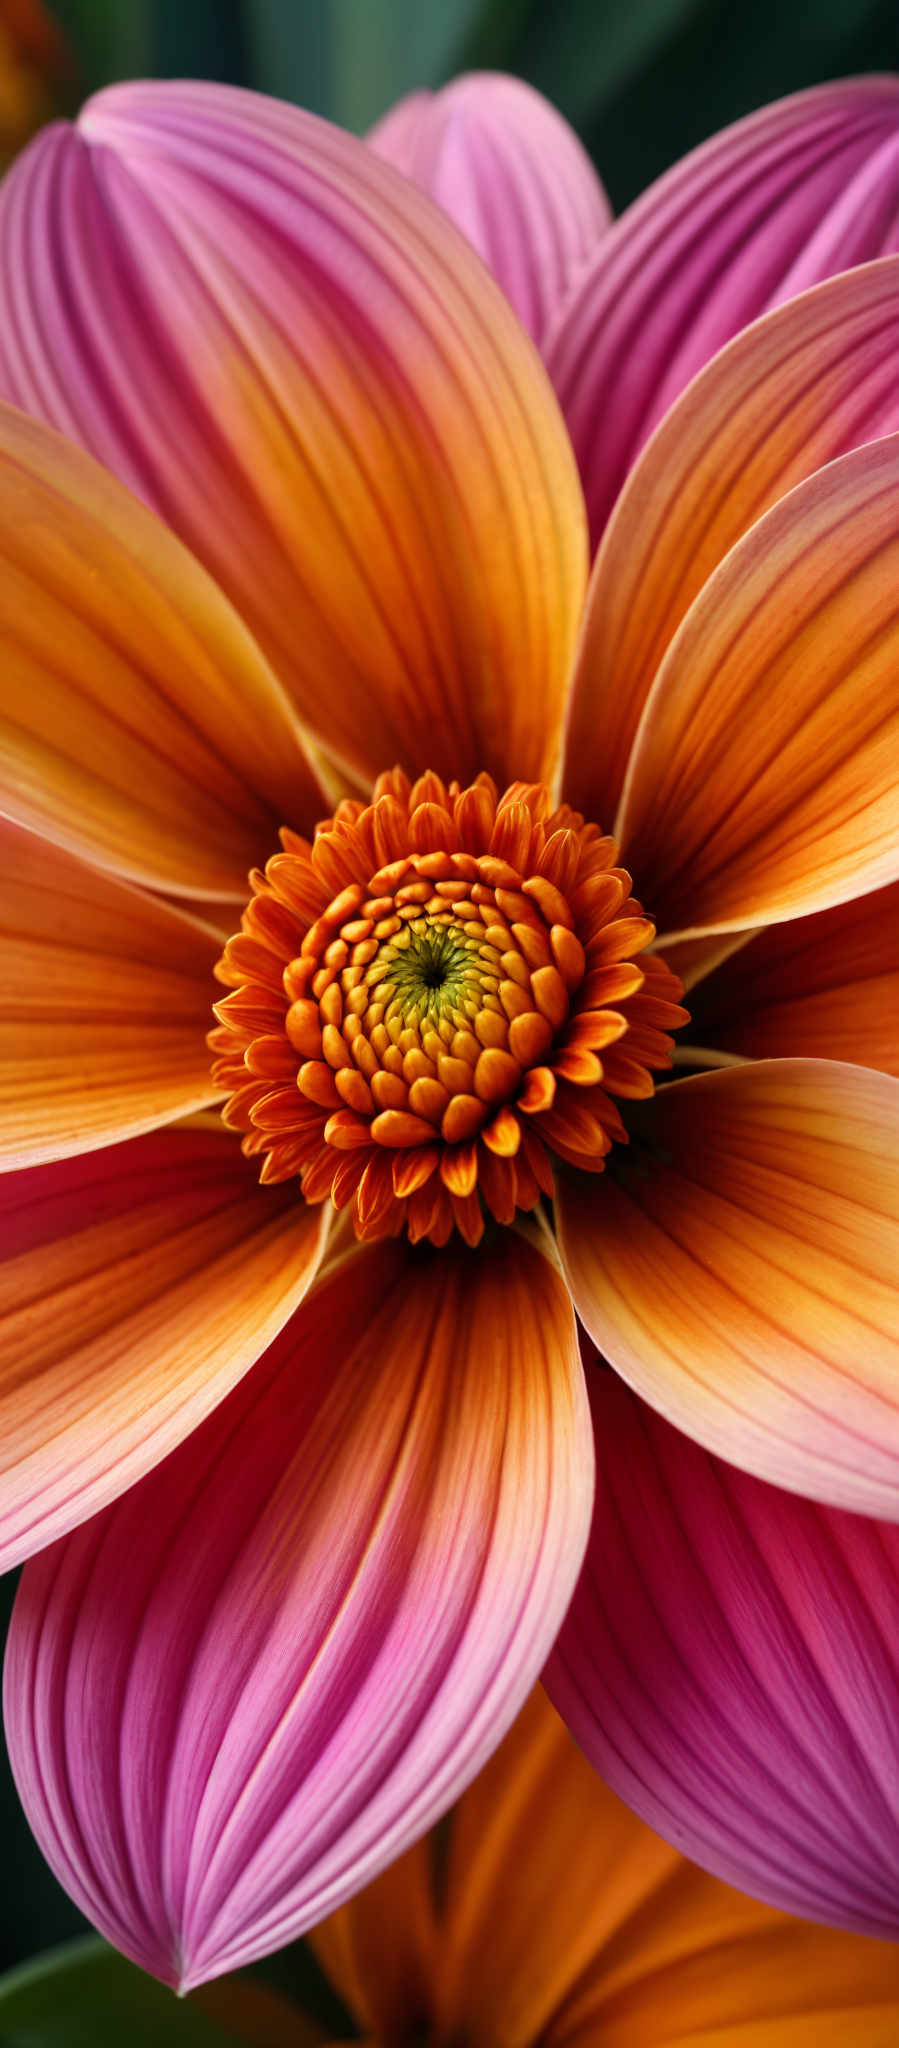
x,y
692,959
565,1919
380,1949
105,1001
141,725
762,783
826,987
743,1276
360,441
807,383
138,1284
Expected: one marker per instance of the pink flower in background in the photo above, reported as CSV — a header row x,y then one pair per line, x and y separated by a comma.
x,y
364,1469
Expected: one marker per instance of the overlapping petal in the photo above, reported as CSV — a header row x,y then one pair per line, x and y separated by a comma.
x,y
794,194
105,998
729,1664
826,987
563,1919
511,173
136,1286
813,380
238,1693
763,781
741,1274
140,725
316,384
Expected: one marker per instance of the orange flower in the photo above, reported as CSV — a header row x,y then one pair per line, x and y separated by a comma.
x,y
244,1686
547,1913
33,67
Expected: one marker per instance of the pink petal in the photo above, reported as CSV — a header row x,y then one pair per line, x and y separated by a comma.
x,y
243,1690
297,360
789,196
512,175
730,1665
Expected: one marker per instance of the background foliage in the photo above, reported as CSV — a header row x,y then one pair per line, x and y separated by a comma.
x,y
642,81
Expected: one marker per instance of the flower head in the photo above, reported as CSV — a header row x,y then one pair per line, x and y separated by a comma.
x,y
364,1457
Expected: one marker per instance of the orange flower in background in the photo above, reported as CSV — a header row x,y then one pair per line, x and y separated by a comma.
x,y
34,70
546,1912
364,1453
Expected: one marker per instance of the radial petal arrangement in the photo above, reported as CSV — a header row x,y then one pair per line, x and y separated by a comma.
x,y
339,1089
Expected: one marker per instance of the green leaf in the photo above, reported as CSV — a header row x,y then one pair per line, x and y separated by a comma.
x,y
380,53
87,1996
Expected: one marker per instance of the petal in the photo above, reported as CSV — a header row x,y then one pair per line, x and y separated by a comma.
x,y
511,173
137,1285
763,780
105,1001
806,384
314,381
772,205
742,1275
240,1692
730,1664
826,987
140,725
380,1949
565,1920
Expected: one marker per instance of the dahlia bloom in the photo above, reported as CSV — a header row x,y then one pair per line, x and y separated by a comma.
x,y
363,1448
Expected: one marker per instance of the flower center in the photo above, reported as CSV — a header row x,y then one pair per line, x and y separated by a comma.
x,y
434,998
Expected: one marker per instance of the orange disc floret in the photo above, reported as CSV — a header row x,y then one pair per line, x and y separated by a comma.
x,y
431,998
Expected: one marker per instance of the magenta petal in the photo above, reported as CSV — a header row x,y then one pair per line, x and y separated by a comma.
x,y
512,175
235,1696
779,201
730,1664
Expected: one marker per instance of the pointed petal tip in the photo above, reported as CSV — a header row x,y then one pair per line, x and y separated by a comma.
x,y
506,167
237,1694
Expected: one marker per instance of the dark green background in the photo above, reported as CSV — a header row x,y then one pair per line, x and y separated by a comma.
x,y
642,81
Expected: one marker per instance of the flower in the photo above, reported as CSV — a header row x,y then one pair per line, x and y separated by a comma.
x,y
559,1917
364,1454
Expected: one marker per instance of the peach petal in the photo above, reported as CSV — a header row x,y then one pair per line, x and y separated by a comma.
x,y
742,1275
763,780
137,1285
811,381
